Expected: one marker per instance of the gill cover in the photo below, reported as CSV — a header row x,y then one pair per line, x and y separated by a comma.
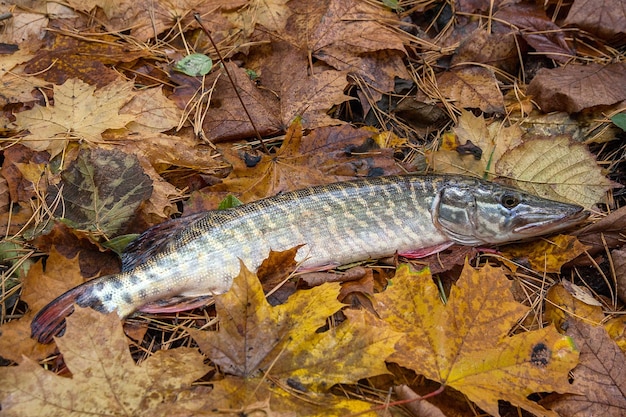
x,y
478,212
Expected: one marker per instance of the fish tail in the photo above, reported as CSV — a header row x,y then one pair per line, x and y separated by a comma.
x,y
50,320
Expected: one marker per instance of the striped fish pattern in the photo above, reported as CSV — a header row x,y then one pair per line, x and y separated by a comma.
x,y
335,224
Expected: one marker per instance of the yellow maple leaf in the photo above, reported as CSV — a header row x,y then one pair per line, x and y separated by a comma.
x,y
284,340
464,343
105,379
546,255
79,112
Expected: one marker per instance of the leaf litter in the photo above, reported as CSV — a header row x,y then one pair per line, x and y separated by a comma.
x,y
100,88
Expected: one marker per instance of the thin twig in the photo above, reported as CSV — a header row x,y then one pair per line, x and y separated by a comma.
x,y
208,33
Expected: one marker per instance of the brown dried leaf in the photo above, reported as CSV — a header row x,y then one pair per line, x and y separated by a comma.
x,y
152,111
600,378
39,288
328,154
472,87
619,260
576,87
226,120
497,50
609,230
605,19
82,58
537,29
104,376
347,35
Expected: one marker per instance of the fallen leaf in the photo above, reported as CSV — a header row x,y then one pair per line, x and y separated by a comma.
x,y
101,191
605,19
464,344
152,111
555,168
494,49
472,87
82,58
328,154
284,340
562,303
236,394
537,29
619,262
225,119
348,35
576,87
545,255
608,231
79,112
39,288
494,140
104,376
600,378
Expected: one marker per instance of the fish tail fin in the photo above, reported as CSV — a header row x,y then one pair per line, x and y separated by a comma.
x,y
50,320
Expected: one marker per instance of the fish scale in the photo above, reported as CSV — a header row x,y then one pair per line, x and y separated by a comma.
x,y
336,224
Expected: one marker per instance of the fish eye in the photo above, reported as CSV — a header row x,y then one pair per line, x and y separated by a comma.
x,y
509,200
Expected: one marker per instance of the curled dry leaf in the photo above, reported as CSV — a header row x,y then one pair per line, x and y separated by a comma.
x,y
605,19
555,168
576,87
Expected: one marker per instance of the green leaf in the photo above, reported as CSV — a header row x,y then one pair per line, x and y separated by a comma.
x,y
229,202
619,120
119,243
194,65
101,191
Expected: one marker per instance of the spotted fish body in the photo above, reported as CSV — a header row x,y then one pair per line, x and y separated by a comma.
x,y
335,224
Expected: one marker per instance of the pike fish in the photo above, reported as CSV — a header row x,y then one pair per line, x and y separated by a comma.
x,y
413,215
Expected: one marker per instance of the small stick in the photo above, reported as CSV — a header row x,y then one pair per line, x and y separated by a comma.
x,y
208,33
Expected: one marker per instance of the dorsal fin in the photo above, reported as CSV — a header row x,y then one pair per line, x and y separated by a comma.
x,y
155,240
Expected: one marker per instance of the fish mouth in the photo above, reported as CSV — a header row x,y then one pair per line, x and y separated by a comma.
x,y
554,223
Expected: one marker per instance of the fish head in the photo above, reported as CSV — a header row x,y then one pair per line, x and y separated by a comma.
x,y
475,212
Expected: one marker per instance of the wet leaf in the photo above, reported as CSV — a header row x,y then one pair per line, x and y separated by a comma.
x,y
101,191
104,376
464,344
